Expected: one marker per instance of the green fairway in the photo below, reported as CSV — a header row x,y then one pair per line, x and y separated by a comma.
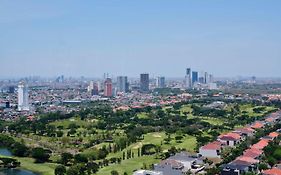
x,y
65,123
156,138
142,115
129,165
43,169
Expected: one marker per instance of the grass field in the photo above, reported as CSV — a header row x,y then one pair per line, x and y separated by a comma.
x,y
142,115
188,143
67,122
42,169
129,165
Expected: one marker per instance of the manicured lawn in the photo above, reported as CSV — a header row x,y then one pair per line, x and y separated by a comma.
x,y
142,115
129,165
43,169
65,123
213,121
186,108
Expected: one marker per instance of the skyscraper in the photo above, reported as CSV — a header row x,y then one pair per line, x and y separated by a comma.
x,y
194,77
206,78
23,97
144,82
211,78
188,78
108,88
160,83
91,86
95,90
122,84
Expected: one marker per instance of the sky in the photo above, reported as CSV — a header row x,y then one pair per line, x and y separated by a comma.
x,y
127,37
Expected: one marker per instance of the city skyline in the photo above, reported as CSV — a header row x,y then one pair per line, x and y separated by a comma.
x,y
227,38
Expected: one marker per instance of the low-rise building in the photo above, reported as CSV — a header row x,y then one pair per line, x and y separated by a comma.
x,y
211,150
230,139
147,172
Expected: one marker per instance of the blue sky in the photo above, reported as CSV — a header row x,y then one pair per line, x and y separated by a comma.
x,y
128,37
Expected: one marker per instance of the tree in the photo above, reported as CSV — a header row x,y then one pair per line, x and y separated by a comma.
x,y
79,158
92,167
19,150
114,172
60,170
72,171
262,166
179,138
40,155
59,133
65,158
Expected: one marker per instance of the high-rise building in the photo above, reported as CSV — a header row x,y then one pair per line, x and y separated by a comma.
x,y
194,77
144,82
95,90
160,83
206,78
188,78
23,97
122,84
211,78
108,87
91,86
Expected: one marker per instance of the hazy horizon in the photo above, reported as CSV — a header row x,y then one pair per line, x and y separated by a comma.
x,y
161,37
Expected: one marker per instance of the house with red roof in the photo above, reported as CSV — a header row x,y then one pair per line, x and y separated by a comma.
x,y
230,139
273,171
211,150
257,125
261,144
273,135
253,153
245,132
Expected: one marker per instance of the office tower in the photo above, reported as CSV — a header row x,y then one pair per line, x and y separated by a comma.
x,y
95,90
60,79
160,83
23,97
122,84
194,77
211,78
91,86
144,82
100,86
11,89
188,78
108,87
206,78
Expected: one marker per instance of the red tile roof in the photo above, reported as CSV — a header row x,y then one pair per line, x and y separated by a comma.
x,y
230,136
273,135
273,171
270,119
212,146
257,125
261,144
247,159
254,153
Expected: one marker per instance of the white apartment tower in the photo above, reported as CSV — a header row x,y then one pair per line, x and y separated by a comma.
x,y
23,97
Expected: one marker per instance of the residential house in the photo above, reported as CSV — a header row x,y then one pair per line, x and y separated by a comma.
x,y
258,125
169,167
190,162
261,144
238,167
147,172
211,150
230,139
253,153
245,132
273,171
